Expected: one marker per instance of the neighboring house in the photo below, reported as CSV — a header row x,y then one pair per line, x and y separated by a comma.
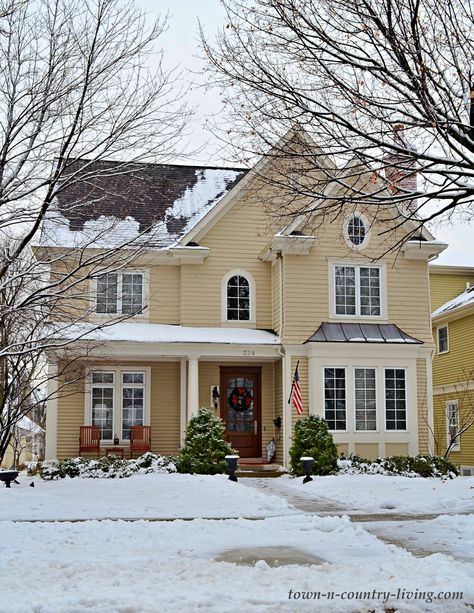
x,y
452,294
26,445
236,298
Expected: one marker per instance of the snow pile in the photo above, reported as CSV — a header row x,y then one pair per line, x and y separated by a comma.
x,y
405,466
150,496
109,467
145,567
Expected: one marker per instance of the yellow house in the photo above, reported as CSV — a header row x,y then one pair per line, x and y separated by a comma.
x,y
229,299
452,294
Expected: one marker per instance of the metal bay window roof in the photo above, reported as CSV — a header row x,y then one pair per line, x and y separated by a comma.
x,y
361,333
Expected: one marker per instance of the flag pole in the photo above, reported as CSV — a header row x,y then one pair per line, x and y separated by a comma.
x,y
293,384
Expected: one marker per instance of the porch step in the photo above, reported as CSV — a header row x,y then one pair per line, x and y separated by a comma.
x,y
258,470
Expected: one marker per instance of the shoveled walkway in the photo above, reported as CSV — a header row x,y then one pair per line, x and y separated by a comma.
x,y
388,527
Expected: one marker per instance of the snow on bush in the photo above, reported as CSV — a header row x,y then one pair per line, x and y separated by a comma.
x,y
109,467
405,466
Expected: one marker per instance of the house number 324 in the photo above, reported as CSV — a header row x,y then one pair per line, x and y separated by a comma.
x,y
249,352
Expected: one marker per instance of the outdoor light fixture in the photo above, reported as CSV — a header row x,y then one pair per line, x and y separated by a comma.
x,y
231,466
277,422
116,440
307,462
215,396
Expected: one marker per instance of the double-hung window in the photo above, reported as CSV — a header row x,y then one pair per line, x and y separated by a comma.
x,y
335,398
120,293
452,424
118,402
357,290
443,341
395,399
365,399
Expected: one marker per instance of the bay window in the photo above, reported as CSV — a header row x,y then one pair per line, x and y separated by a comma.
x,y
365,399
395,399
335,398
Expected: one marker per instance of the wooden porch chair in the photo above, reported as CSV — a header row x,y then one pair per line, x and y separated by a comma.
x,y
89,439
140,439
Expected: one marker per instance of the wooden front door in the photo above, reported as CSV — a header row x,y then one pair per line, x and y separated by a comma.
x,y
241,409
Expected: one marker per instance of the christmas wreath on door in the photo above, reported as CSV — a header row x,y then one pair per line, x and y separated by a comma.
x,y
240,399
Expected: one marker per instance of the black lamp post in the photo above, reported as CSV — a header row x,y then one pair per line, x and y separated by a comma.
x,y
307,462
231,466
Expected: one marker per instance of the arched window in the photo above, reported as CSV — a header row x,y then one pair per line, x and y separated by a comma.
x,y
238,299
356,230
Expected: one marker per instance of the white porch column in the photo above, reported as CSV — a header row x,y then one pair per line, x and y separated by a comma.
x,y
312,386
287,417
51,452
193,386
182,400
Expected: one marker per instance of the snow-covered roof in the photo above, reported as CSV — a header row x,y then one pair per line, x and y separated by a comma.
x,y
462,300
135,332
110,204
29,425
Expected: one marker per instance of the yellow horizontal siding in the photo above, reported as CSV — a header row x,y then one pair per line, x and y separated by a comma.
x,y
307,283
465,399
164,298
422,396
164,411
458,363
444,287
235,243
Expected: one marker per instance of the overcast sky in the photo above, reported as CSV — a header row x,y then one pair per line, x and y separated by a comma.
x,y
181,47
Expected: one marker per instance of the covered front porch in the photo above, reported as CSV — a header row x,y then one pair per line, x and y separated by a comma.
x,y
236,373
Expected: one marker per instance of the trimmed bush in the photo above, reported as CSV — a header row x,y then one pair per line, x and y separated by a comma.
x,y
109,467
312,438
204,449
405,466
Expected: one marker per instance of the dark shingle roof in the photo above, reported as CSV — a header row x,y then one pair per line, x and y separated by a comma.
x,y
148,194
361,333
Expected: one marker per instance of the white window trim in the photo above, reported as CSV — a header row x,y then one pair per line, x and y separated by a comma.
x,y
457,445
407,396
346,378
354,368
365,221
117,417
145,297
249,323
447,338
383,292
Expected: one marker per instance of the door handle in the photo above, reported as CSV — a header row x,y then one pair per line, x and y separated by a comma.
x,y
255,426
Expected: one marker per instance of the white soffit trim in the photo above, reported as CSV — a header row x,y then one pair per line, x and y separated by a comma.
x,y
422,250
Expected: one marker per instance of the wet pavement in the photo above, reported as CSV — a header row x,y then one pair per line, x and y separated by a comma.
x,y
273,556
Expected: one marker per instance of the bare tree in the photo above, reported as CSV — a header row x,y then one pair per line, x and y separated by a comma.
x,y
83,99
458,418
387,84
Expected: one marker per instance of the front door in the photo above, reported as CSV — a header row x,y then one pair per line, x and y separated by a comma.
x,y
240,409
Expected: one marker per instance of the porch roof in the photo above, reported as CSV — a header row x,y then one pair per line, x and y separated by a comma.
x,y
140,332
361,333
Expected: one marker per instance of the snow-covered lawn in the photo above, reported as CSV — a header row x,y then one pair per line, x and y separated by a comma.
x,y
141,496
382,494
140,567
171,566
450,534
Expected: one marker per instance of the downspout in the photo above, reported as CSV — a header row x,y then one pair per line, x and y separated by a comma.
x,y
280,274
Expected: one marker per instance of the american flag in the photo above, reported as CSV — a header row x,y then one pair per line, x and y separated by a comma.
x,y
296,387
